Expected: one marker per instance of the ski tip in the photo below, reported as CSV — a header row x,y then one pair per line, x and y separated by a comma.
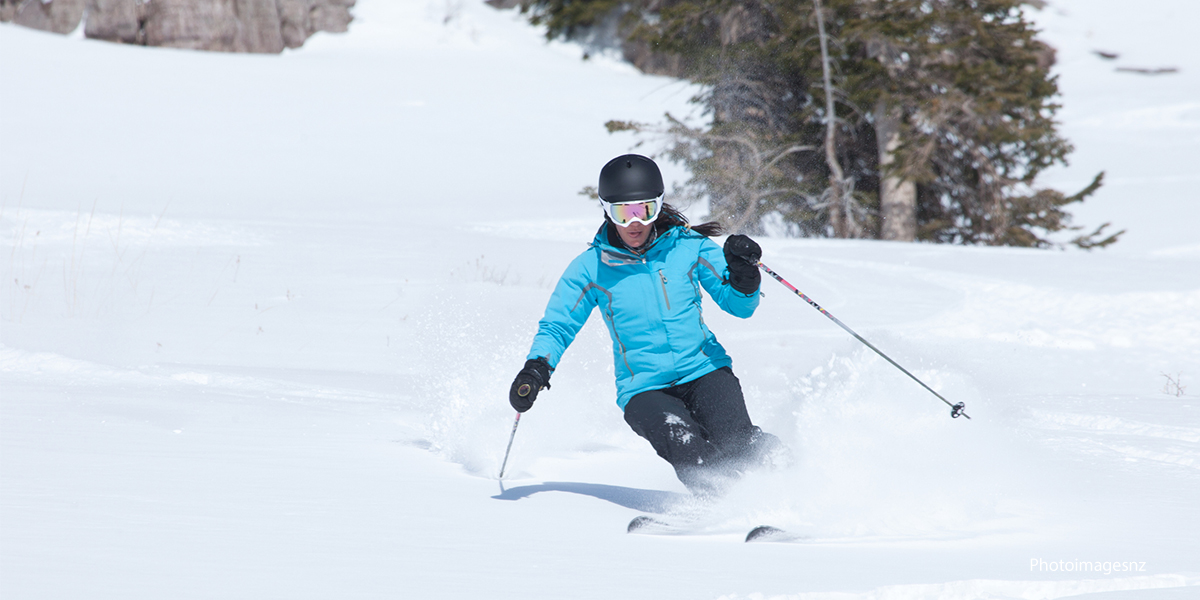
x,y
639,523
765,533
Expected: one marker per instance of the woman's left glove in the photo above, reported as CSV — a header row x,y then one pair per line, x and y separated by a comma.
x,y
742,254
531,380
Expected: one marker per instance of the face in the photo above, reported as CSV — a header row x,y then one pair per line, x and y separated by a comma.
x,y
635,234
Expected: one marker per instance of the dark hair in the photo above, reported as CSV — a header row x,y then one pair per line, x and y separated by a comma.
x,y
671,217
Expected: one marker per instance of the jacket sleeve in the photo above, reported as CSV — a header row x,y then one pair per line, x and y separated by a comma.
x,y
568,309
714,276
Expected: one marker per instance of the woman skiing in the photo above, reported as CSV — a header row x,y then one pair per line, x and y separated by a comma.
x,y
644,271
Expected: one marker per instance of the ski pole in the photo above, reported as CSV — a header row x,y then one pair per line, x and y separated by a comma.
x,y
955,409
516,422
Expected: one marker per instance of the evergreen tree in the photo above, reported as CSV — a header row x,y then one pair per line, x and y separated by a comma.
x,y
942,112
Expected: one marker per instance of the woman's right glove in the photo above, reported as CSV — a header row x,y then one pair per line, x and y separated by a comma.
x,y
742,254
532,379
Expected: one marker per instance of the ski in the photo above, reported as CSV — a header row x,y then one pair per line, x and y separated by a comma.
x,y
648,524
767,533
654,525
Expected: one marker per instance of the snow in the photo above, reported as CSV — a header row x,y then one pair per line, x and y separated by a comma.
x,y
1143,131
259,317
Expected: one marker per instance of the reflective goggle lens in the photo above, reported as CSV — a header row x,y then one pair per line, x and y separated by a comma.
x,y
624,214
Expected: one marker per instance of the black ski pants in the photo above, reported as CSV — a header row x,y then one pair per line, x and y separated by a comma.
x,y
701,427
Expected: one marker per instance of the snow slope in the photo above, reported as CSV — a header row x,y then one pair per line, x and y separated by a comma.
x,y
260,313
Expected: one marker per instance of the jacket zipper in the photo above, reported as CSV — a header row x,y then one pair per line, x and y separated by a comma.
x,y
663,276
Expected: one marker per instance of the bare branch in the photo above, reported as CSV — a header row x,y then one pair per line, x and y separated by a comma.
x,y
789,151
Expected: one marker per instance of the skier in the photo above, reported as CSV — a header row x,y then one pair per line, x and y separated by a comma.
x,y
644,271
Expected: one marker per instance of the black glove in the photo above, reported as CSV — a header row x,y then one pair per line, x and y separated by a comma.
x,y
742,254
531,380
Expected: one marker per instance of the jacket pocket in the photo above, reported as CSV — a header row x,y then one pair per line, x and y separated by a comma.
x,y
620,345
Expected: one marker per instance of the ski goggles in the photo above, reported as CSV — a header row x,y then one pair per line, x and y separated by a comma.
x,y
642,211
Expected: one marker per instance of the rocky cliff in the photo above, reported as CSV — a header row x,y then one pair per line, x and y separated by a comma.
x,y
221,25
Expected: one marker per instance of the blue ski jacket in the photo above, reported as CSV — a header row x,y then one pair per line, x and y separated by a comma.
x,y
651,306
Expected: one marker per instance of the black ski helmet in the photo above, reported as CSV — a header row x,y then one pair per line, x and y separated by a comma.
x,y
630,177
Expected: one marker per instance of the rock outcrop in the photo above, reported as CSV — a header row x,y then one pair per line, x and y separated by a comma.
x,y
60,16
265,26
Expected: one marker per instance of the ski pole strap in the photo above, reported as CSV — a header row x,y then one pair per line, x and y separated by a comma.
x,y
956,410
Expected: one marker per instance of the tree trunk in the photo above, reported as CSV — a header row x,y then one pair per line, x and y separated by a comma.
x,y
897,197
841,202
